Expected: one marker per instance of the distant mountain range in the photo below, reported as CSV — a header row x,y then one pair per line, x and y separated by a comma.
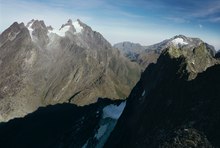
x,y
144,55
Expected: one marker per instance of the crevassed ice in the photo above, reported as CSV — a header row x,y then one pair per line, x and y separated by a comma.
x,y
179,41
113,111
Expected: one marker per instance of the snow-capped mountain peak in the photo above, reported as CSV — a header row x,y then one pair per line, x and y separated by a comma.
x,y
36,29
179,41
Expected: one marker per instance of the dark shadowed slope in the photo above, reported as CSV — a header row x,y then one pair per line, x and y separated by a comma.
x,y
61,126
170,106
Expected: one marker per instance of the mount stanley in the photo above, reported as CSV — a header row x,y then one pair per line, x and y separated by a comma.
x,y
41,65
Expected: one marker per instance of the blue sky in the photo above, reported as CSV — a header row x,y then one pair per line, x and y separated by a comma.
x,y
143,21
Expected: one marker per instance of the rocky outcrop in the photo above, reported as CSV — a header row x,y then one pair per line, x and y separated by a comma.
x,y
41,65
175,103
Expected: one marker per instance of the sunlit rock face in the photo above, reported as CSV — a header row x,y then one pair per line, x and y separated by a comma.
x,y
42,65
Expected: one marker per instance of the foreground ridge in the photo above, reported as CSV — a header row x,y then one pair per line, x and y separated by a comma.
x,y
175,103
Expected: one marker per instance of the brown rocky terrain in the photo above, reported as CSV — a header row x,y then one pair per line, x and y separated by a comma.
x,y
41,65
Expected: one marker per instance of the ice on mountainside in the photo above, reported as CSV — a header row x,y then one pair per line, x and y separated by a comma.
x,y
30,29
77,26
113,111
178,41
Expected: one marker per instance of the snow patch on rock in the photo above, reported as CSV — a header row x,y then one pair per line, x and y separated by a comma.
x,y
179,41
78,27
30,29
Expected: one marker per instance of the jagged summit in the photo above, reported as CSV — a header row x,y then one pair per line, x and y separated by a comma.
x,y
180,36
35,24
70,26
76,31
29,24
70,22
179,40
41,65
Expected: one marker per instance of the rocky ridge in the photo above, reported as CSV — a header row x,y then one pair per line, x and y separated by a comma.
x,y
145,55
175,103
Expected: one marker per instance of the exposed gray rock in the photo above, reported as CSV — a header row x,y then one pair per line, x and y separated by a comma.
x,y
130,50
41,66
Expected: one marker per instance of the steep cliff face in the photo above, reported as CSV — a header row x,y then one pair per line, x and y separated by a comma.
x,y
41,65
175,103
